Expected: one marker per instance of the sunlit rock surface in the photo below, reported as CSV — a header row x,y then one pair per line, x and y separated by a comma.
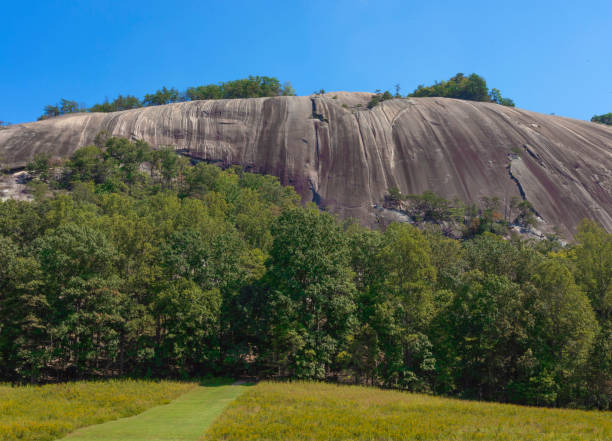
x,y
338,153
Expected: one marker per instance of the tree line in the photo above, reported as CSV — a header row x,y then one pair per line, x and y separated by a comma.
x,y
251,87
137,262
472,87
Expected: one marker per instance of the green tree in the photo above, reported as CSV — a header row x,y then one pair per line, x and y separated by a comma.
x,y
207,92
472,88
64,107
394,197
187,328
410,275
120,103
603,119
309,293
82,290
252,87
449,259
86,164
563,332
405,307
593,260
430,207
128,156
39,166
68,106
161,96
201,179
496,97
166,162
526,214
378,98
23,310
287,89
375,322
480,335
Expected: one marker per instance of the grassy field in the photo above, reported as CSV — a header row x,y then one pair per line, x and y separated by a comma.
x,y
48,412
185,419
315,411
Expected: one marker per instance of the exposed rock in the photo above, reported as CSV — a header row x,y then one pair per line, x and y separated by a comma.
x,y
13,186
343,156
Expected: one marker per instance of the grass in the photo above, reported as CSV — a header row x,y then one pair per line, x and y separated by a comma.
x,y
48,412
315,411
185,419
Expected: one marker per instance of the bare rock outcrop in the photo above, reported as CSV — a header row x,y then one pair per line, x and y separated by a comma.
x,y
338,153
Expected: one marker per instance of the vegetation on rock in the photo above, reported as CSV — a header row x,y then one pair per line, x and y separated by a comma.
x,y
603,119
458,220
64,107
473,87
378,98
251,87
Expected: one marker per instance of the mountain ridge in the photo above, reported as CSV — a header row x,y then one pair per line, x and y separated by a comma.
x,y
342,155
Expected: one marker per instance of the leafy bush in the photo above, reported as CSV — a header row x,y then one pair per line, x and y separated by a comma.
x,y
378,98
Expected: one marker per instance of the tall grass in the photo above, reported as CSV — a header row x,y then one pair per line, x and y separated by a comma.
x,y
315,411
48,412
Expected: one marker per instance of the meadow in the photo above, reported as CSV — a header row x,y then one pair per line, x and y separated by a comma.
x,y
48,412
322,412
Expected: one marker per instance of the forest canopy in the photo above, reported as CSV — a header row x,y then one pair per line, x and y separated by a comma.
x,y
136,261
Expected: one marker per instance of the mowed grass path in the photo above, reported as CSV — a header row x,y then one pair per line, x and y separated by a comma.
x,y
45,413
184,419
322,412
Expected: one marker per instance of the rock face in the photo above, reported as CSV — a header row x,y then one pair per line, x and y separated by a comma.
x,y
344,157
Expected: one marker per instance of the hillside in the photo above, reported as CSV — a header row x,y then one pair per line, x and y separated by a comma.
x,y
345,157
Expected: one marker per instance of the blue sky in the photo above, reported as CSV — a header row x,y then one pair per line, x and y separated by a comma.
x,y
549,56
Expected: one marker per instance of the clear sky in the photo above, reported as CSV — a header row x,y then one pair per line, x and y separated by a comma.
x,y
549,56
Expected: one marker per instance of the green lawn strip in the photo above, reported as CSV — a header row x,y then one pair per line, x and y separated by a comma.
x,y
185,418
